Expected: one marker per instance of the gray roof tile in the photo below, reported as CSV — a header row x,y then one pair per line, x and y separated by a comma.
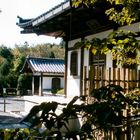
x,y
45,65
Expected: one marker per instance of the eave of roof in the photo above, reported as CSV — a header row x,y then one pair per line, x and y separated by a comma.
x,y
66,21
44,65
46,16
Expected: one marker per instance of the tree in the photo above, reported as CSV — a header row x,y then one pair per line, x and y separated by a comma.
x,y
6,59
24,83
120,11
123,44
51,55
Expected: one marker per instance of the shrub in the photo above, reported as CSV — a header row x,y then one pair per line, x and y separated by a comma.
x,y
24,83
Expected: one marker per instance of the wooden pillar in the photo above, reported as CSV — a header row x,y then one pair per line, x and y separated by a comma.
x,y
66,67
84,80
33,86
81,71
40,85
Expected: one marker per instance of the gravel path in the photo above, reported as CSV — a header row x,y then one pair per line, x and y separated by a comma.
x,y
10,104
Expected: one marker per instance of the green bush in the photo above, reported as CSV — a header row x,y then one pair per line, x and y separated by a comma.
x,y
24,83
61,91
54,91
57,91
105,113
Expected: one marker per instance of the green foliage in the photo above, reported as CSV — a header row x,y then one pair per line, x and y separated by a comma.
x,y
134,95
124,47
57,91
18,63
12,60
121,17
104,113
47,50
120,11
6,59
6,53
51,55
54,91
76,3
24,83
61,92
3,84
5,68
16,134
123,11
122,44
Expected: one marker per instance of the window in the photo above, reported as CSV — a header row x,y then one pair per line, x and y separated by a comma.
x,y
98,59
74,64
56,83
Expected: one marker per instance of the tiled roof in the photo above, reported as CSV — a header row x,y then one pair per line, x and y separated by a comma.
x,y
45,65
45,16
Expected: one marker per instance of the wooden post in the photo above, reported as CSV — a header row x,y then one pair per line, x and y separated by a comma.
x,y
128,80
84,79
33,86
139,78
109,78
97,77
102,76
91,77
128,132
118,75
114,75
4,100
4,104
124,77
41,85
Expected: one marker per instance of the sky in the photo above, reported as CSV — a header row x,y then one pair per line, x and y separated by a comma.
x,y
10,32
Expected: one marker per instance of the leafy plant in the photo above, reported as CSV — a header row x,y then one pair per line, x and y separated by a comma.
x,y
122,44
104,113
120,11
24,83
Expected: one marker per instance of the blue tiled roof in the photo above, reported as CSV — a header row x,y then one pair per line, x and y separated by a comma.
x,y
46,65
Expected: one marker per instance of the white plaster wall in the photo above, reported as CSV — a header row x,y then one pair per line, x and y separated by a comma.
x,y
73,87
99,35
47,82
62,82
72,42
86,57
73,82
109,62
133,27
